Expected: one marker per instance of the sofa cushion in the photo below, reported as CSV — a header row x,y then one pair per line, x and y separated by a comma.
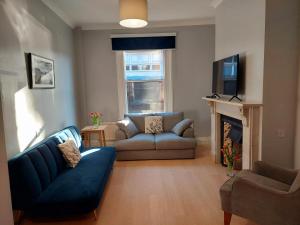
x,y
128,126
79,189
173,141
33,170
153,124
41,166
52,144
180,127
138,119
137,142
70,152
25,182
170,119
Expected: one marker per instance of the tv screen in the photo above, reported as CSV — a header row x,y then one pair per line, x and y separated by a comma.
x,y
226,76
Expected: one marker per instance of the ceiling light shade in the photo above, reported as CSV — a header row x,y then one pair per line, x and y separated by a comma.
x,y
133,13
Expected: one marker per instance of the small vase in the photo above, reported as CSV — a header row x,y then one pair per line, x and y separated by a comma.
x,y
230,172
96,122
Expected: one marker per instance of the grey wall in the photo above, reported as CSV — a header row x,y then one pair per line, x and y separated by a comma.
x,y
266,32
100,74
240,28
30,115
297,136
6,215
280,81
192,65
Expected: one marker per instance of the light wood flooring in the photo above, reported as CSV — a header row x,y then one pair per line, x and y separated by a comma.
x,y
160,192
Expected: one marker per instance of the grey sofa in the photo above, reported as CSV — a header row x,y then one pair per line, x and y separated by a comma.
x,y
268,195
176,142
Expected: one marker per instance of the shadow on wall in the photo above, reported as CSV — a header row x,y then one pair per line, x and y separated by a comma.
x,y
24,110
30,124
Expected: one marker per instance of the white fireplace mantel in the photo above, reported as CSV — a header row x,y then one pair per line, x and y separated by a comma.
x,y
250,115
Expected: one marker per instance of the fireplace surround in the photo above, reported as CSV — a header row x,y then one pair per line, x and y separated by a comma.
x,y
249,114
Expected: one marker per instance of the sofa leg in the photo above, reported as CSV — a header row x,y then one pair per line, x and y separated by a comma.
x,y
95,215
227,218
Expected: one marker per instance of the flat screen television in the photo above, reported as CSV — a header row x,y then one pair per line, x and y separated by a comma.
x,y
226,75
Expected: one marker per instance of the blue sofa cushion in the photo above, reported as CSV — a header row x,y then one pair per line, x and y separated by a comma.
x,y
49,159
41,167
32,172
77,190
52,144
25,184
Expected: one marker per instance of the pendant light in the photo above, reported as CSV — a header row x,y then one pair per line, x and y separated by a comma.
x,y
133,13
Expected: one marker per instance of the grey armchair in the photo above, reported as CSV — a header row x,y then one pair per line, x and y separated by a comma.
x,y
267,195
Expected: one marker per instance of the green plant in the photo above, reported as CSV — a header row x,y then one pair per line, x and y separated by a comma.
x,y
230,153
96,118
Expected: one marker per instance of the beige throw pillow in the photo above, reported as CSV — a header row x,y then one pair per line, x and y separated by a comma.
x,y
70,152
153,125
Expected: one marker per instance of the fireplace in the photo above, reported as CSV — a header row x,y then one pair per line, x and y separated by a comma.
x,y
232,134
246,113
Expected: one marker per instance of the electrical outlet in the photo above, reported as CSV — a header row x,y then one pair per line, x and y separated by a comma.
x,y
280,133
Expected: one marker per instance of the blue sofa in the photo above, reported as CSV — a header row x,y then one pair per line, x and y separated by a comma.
x,y
42,184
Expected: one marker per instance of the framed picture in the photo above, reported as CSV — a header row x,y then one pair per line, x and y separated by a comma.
x,y
40,71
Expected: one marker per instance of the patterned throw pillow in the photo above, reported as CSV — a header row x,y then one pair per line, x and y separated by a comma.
x,y
153,124
70,152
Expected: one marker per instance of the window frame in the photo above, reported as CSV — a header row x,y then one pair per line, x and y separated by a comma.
x,y
122,88
149,62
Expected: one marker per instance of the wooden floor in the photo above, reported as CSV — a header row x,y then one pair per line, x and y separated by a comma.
x,y
160,192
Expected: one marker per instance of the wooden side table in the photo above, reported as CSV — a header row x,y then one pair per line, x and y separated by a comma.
x,y
87,131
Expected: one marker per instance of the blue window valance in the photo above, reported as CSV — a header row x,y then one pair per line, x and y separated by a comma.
x,y
135,42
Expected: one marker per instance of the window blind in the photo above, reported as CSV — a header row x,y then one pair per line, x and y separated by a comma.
x,y
143,42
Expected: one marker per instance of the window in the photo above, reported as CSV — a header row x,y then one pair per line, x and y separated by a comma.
x,y
144,77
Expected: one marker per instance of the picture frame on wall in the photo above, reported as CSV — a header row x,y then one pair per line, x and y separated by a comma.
x,y
40,71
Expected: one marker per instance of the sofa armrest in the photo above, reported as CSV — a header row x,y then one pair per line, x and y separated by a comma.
x,y
120,134
189,133
181,126
286,176
242,183
241,188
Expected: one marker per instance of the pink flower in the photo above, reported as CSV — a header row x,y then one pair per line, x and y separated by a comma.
x,y
95,115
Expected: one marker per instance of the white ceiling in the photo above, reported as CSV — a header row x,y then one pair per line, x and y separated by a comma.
x,y
105,13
